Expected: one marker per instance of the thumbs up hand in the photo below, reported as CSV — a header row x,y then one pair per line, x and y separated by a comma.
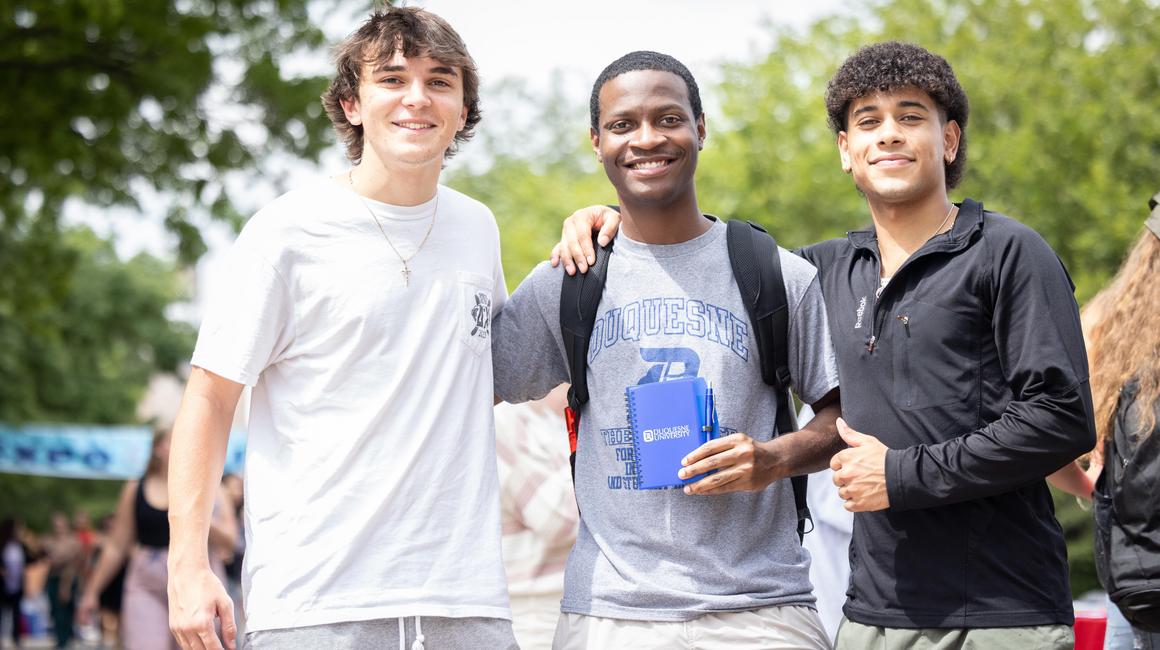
x,y
860,471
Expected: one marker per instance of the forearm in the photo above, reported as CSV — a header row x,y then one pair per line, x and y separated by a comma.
x,y
112,557
810,449
1073,480
197,457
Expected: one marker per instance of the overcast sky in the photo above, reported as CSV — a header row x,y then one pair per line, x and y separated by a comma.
x,y
534,38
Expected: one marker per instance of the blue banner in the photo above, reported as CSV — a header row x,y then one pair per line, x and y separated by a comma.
x,y
80,451
236,452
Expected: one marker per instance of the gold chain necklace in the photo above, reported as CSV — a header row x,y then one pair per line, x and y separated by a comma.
x,y
944,222
406,270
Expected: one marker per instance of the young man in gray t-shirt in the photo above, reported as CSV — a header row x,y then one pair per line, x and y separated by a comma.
x,y
719,561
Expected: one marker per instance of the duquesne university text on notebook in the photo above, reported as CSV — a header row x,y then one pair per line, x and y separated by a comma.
x,y
666,419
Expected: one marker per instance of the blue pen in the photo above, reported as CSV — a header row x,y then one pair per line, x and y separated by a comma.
x,y
710,414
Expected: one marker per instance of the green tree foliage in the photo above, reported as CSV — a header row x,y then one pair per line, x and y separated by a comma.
x,y
104,93
1064,130
83,352
770,156
542,167
105,100
1069,122
33,499
1064,135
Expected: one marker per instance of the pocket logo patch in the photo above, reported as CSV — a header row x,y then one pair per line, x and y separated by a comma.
x,y
481,314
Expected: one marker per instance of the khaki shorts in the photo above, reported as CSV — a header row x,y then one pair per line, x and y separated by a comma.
x,y
770,628
855,636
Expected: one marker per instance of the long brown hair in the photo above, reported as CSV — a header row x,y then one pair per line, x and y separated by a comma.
x,y
1124,339
159,434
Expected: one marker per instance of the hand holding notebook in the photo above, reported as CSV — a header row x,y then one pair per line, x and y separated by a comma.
x,y
668,421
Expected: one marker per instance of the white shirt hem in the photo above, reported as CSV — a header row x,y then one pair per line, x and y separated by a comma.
x,y
289,619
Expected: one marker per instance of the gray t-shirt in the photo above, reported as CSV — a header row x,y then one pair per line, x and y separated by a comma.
x,y
670,311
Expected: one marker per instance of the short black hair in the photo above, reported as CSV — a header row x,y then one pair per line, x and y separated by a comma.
x,y
643,60
892,65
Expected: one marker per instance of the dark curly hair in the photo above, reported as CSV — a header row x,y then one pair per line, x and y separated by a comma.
x,y
415,33
643,60
883,67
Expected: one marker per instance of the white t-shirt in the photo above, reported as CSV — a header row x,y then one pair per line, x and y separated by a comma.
x,y
370,472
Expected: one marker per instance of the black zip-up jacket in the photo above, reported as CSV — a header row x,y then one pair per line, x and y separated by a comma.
x,y
971,368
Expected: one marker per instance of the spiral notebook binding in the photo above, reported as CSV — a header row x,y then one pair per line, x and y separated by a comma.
x,y
630,405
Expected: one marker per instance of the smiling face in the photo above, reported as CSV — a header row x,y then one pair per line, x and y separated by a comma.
x,y
410,110
647,138
896,145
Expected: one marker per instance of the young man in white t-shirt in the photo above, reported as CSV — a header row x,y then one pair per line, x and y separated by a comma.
x,y
359,309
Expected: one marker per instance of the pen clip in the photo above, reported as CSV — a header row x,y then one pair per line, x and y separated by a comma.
x,y
710,412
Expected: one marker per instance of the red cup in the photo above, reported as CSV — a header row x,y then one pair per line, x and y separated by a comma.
x,y
1089,630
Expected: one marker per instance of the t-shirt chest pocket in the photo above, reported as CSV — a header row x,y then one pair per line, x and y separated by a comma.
x,y
936,355
474,316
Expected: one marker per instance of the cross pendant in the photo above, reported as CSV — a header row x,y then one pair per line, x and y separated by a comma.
x,y
406,275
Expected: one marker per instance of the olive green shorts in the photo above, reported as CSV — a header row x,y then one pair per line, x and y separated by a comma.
x,y
855,636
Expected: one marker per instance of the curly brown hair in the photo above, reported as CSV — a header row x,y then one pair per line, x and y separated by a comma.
x,y
413,32
1123,343
883,67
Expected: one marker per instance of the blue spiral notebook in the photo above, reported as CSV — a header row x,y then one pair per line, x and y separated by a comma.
x,y
666,419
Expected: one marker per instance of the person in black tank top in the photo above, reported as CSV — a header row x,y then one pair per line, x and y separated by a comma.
x,y
152,523
140,535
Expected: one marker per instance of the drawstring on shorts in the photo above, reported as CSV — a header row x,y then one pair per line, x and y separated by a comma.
x,y
419,638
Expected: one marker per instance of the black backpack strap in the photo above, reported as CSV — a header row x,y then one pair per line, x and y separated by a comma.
x,y
579,297
757,268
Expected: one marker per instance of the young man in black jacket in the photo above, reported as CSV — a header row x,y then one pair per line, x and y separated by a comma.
x,y
964,378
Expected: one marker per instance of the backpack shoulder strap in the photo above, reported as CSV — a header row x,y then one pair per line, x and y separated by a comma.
x,y
757,268
579,298
756,263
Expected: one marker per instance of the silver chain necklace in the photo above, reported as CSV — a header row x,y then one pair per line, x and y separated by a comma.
x,y
406,270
